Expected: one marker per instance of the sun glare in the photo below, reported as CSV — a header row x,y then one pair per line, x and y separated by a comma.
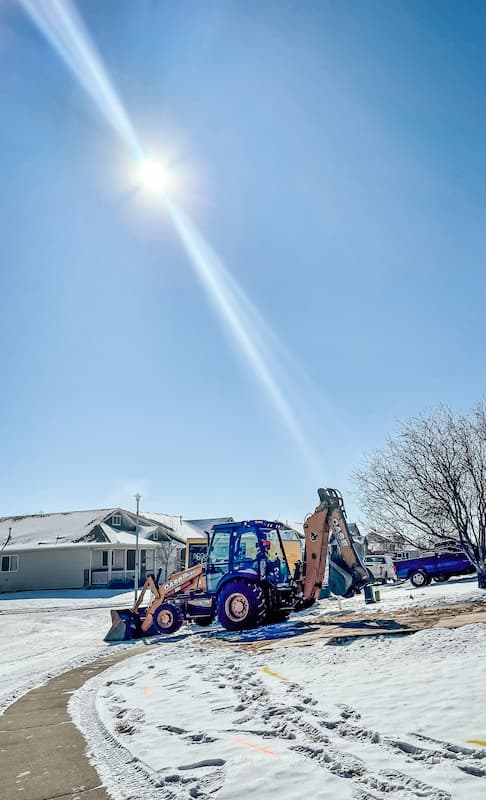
x,y
164,179
152,175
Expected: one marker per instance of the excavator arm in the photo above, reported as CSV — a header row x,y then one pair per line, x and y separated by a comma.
x,y
127,623
329,522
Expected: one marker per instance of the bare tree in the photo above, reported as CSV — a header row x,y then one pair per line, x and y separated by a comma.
x,y
166,556
428,483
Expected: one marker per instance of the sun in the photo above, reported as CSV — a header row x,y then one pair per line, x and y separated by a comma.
x,y
152,175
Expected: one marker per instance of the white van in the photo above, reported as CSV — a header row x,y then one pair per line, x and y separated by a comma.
x,y
381,567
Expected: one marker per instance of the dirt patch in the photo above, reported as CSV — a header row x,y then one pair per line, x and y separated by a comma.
x,y
342,625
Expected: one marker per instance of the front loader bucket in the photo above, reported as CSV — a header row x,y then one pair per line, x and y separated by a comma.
x,y
125,625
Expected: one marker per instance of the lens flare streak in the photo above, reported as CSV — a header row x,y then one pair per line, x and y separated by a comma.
x,y
64,29
62,26
214,279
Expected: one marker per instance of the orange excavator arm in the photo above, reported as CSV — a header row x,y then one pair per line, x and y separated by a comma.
x,y
192,578
327,521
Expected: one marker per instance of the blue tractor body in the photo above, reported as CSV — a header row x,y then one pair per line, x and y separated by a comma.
x,y
249,554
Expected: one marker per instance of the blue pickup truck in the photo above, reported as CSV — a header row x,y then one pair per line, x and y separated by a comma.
x,y
437,565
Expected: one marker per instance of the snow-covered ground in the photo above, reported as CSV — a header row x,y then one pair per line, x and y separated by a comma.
x,y
195,717
60,629
368,719
394,597
44,633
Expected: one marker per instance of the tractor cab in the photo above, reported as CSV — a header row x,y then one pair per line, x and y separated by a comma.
x,y
251,549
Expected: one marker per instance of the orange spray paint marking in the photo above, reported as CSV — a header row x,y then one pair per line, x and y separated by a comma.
x,y
269,671
146,691
480,742
255,746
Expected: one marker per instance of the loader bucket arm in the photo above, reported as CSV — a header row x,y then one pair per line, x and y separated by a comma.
x,y
190,578
133,623
329,519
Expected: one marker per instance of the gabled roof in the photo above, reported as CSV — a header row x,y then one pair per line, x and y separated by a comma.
x,y
187,528
71,527
127,537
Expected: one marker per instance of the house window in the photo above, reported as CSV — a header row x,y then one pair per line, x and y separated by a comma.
x,y
10,563
116,520
104,558
130,559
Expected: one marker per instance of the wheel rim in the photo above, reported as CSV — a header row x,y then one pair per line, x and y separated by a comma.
x,y
419,579
236,607
165,618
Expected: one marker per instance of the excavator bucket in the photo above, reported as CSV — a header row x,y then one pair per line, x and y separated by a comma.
x,y
125,625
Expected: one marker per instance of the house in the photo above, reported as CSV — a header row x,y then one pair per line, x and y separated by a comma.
x,y
193,532
82,549
385,543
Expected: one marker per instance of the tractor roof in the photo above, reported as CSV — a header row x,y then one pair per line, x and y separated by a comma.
x,y
250,523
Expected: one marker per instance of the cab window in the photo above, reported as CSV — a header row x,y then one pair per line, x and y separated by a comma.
x,y
246,551
217,563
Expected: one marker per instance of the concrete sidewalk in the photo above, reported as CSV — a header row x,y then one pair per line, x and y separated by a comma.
x,y
42,752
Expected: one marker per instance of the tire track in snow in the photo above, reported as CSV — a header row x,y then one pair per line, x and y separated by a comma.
x,y
288,715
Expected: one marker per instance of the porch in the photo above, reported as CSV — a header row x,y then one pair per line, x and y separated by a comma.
x,y
114,566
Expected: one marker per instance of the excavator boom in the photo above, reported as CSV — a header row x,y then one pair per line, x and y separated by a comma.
x,y
329,521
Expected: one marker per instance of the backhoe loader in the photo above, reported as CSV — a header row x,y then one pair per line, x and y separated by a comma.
x,y
246,581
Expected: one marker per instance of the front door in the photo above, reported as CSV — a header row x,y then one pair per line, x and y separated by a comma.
x,y
217,563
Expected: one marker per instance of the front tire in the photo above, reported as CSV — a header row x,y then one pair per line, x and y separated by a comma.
x,y
419,578
241,605
167,618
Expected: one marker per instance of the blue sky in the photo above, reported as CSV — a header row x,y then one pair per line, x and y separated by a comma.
x,y
337,163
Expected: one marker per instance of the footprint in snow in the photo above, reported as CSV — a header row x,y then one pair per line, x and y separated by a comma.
x,y
208,762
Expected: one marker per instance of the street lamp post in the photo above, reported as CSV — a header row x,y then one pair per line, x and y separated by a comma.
x,y
138,497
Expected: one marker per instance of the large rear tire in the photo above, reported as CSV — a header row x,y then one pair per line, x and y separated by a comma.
x,y
241,605
168,618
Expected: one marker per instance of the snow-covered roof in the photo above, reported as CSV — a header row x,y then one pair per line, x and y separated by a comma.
x,y
298,527
17,548
70,527
187,528
127,537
